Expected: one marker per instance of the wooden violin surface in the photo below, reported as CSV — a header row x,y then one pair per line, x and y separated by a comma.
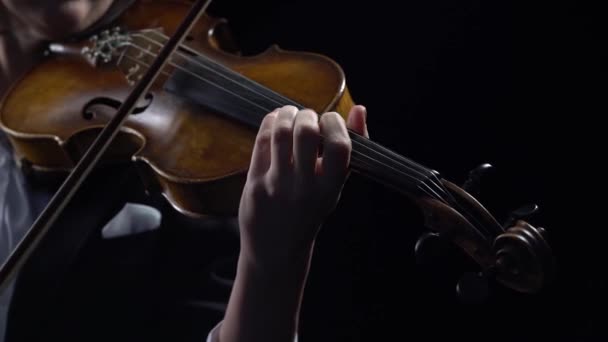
x,y
197,158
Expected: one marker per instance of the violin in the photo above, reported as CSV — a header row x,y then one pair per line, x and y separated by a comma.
x,y
164,88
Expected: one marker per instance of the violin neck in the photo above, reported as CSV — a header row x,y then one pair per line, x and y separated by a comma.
x,y
245,104
389,168
248,102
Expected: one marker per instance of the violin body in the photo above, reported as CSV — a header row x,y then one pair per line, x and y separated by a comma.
x,y
196,158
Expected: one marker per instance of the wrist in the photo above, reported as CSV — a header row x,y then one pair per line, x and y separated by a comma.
x,y
277,264
265,300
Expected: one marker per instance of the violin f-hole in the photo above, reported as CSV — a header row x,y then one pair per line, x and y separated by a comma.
x,y
89,112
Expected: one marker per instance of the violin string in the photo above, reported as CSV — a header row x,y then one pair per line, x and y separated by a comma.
x,y
396,157
218,68
145,51
393,154
436,188
381,151
361,158
358,157
365,160
422,182
136,60
447,196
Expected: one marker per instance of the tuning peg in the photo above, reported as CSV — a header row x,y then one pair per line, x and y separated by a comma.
x,y
522,213
473,288
430,247
472,184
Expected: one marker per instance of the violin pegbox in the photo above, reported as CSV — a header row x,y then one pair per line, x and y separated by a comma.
x,y
517,256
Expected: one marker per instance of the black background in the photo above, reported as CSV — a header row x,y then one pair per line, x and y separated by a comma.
x,y
450,84
453,84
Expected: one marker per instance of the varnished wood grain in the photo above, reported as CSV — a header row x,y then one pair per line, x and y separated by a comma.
x,y
196,158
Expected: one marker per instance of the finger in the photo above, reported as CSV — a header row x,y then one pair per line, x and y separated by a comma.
x,y
357,120
336,149
260,158
282,140
306,143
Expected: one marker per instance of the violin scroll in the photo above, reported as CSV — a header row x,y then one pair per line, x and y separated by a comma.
x,y
524,261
